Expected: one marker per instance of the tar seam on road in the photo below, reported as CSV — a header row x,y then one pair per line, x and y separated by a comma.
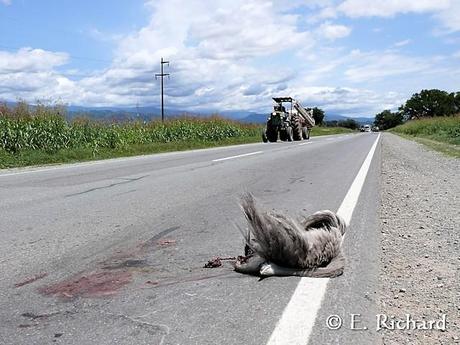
x,y
298,318
126,180
238,156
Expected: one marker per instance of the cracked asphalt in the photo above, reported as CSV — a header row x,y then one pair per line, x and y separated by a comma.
x,y
113,252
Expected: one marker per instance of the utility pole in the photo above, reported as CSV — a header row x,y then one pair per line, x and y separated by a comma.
x,y
161,76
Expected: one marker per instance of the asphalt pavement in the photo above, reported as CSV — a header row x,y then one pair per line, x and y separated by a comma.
x,y
112,252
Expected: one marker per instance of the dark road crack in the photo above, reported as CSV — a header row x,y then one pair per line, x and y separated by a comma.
x,y
125,181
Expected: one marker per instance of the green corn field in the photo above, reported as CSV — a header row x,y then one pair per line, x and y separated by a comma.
x,y
45,128
443,128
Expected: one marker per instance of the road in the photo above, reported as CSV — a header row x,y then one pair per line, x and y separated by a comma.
x,y
112,252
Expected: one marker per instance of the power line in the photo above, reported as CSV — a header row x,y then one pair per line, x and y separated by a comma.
x,y
161,76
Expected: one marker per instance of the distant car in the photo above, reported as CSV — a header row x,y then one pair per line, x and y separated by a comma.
x,y
361,129
375,129
367,128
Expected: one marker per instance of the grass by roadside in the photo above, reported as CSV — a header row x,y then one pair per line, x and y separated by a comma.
x,y
316,131
40,157
73,155
447,149
441,134
41,135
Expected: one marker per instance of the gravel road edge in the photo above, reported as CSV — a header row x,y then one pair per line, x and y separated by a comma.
x,y
420,236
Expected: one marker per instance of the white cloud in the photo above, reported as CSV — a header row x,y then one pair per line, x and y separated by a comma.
x,y
214,48
447,12
365,67
98,35
327,12
30,60
6,2
216,30
31,74
229,55
220,55
388,8
332,31
348,101
402,43
450,17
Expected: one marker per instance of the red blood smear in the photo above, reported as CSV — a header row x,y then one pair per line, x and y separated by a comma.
x,y
95,284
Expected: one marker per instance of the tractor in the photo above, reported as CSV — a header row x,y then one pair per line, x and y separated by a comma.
x,y
290,124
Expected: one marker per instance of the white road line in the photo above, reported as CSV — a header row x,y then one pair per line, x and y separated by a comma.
x,y
233,157
351,199
305,143
299,316
30,170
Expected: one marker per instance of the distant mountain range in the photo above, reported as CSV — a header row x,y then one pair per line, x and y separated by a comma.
x,y
149,112
361,120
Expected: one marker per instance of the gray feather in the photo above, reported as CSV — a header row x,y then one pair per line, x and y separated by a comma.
x,y
305,247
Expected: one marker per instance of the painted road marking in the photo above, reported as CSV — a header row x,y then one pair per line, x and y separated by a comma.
x,y
351,199
31,170
238,156
304,144
123,159
299,316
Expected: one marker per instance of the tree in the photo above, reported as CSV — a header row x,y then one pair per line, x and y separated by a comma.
x,y
457,102
386,119
318,115
348,123
333,123
429,103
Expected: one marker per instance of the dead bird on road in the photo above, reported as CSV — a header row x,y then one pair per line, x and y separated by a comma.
x,y
277,245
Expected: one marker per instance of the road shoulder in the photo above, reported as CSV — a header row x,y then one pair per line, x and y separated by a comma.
x,y
420,250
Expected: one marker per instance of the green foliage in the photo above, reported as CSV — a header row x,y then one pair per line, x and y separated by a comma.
x,y
444,129
457,102
318,115
386,119
430,103
45,128
348,123
317,130
333,123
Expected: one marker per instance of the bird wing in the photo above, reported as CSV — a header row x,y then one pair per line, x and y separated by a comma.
x,y
282,240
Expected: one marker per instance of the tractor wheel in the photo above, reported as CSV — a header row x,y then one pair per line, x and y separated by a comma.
x,y
296,128
283,135
272,136
264,136
305,133
290,134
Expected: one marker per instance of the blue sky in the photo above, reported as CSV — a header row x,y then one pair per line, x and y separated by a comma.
x,y
349,57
